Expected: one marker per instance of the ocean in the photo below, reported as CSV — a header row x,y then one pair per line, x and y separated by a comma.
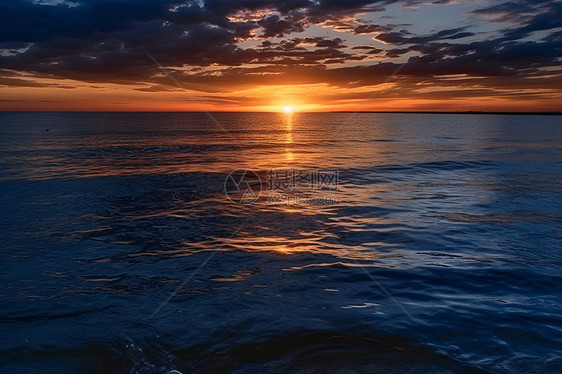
x,y
276,243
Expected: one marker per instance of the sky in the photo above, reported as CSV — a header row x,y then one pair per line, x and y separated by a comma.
x,y
263,55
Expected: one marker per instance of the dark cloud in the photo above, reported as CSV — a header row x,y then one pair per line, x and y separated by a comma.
x,y
275,26
370,28
527,16
403,37
19,82
550,18
107,41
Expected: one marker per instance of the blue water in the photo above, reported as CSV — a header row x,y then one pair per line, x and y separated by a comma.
x,y
441,250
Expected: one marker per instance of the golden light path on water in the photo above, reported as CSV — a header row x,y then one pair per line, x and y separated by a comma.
x,y
289,141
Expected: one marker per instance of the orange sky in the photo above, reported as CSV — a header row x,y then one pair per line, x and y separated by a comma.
x,y
315,97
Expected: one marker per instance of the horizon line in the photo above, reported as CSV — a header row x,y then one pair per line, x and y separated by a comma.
x,y
304,112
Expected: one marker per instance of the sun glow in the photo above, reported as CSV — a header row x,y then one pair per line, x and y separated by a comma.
x,y
288,109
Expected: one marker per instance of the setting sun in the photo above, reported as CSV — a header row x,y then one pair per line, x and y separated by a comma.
x,y
288,109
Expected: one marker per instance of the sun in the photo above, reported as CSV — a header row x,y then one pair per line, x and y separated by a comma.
x,y
288,109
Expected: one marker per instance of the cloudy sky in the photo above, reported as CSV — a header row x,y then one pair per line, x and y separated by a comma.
x,y
261,55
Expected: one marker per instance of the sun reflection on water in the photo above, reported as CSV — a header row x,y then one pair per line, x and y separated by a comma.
x,y
288,120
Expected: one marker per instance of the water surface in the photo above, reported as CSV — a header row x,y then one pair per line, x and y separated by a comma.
x,y
121,252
